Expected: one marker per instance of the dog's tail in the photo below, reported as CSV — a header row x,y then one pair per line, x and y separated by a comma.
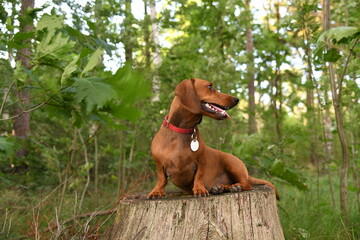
x,y
256,181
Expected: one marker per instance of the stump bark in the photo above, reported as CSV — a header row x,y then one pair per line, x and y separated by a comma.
x,y
245,215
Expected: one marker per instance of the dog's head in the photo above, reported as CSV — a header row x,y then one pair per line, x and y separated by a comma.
x,y
200,97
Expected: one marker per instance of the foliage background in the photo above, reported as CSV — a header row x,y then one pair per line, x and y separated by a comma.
x,y
98,67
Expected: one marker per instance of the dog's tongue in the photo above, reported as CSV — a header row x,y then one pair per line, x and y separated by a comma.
x,y
221,111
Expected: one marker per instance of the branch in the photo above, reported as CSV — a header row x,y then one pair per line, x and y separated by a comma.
x,y
345,68
25,111
31,109
6,96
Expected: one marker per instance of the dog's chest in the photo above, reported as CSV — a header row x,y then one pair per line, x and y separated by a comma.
x,y
180,167
181,173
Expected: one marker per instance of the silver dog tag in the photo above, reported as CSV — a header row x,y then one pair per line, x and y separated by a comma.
x,y
194,145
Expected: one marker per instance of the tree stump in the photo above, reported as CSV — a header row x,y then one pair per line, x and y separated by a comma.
x,y
245,215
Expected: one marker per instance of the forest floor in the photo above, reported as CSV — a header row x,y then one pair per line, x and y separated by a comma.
x,y
37,214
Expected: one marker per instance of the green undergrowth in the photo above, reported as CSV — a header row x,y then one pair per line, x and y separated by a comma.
x,y
30,214
312,214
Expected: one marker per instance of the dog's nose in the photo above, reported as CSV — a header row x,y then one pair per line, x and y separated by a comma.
x,y
236,100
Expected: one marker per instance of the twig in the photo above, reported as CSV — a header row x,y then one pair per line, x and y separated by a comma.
x,y
8,232
6,216
25,111
68,164
88,171
345,68
6,96
31,109
52,192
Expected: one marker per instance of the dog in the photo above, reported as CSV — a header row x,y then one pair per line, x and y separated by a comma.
x,y
181,154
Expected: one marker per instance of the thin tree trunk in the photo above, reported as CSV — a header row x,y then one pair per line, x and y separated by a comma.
x,y
344,146
88,170
147,35
356,169
121,159
96,159
131,155
252,128
326,120
311,117
275,98
67,170
128,26
336,97
22,123
156,53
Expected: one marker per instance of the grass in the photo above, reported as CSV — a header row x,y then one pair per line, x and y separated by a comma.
x,y
312,215
35,214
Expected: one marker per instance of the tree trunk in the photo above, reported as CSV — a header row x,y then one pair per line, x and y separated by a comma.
x,y
146,29
310,105
22,122
250,73
156,53
128,29
245,215
336,97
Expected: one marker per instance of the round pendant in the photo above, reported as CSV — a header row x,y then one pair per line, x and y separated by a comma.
x,y
194,145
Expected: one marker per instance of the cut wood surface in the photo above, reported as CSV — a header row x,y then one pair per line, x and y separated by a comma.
x,y
244,215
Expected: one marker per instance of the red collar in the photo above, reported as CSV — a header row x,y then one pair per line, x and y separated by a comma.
x,y
167,124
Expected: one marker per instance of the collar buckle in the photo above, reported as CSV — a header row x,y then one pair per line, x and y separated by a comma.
x,y
167,122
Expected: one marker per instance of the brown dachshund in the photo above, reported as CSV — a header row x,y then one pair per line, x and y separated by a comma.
x,y
181,154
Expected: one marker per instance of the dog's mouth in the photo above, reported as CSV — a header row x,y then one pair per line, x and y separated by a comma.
x,y
215,109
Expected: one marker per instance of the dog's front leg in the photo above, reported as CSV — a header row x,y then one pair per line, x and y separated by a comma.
x,y
159,189
199,189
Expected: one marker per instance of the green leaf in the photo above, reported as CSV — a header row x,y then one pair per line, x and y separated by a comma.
x,y
125,111
129,84
50,22
9,25
93,91
339,33
279,169
336,35
93,60
57,48
19,72
332,55
68,70
18,40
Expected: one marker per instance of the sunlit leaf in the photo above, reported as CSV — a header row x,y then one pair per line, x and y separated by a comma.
x,y
57,48
338,33
93,60
68,70
50,22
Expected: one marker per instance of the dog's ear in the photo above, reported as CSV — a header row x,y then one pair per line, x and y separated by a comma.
x,y
187,95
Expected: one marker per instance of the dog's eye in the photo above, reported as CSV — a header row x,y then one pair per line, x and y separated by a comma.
x,y
211,88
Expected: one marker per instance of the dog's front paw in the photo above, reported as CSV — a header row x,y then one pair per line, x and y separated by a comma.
x,y
235,188
200,192
156,195
219,189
